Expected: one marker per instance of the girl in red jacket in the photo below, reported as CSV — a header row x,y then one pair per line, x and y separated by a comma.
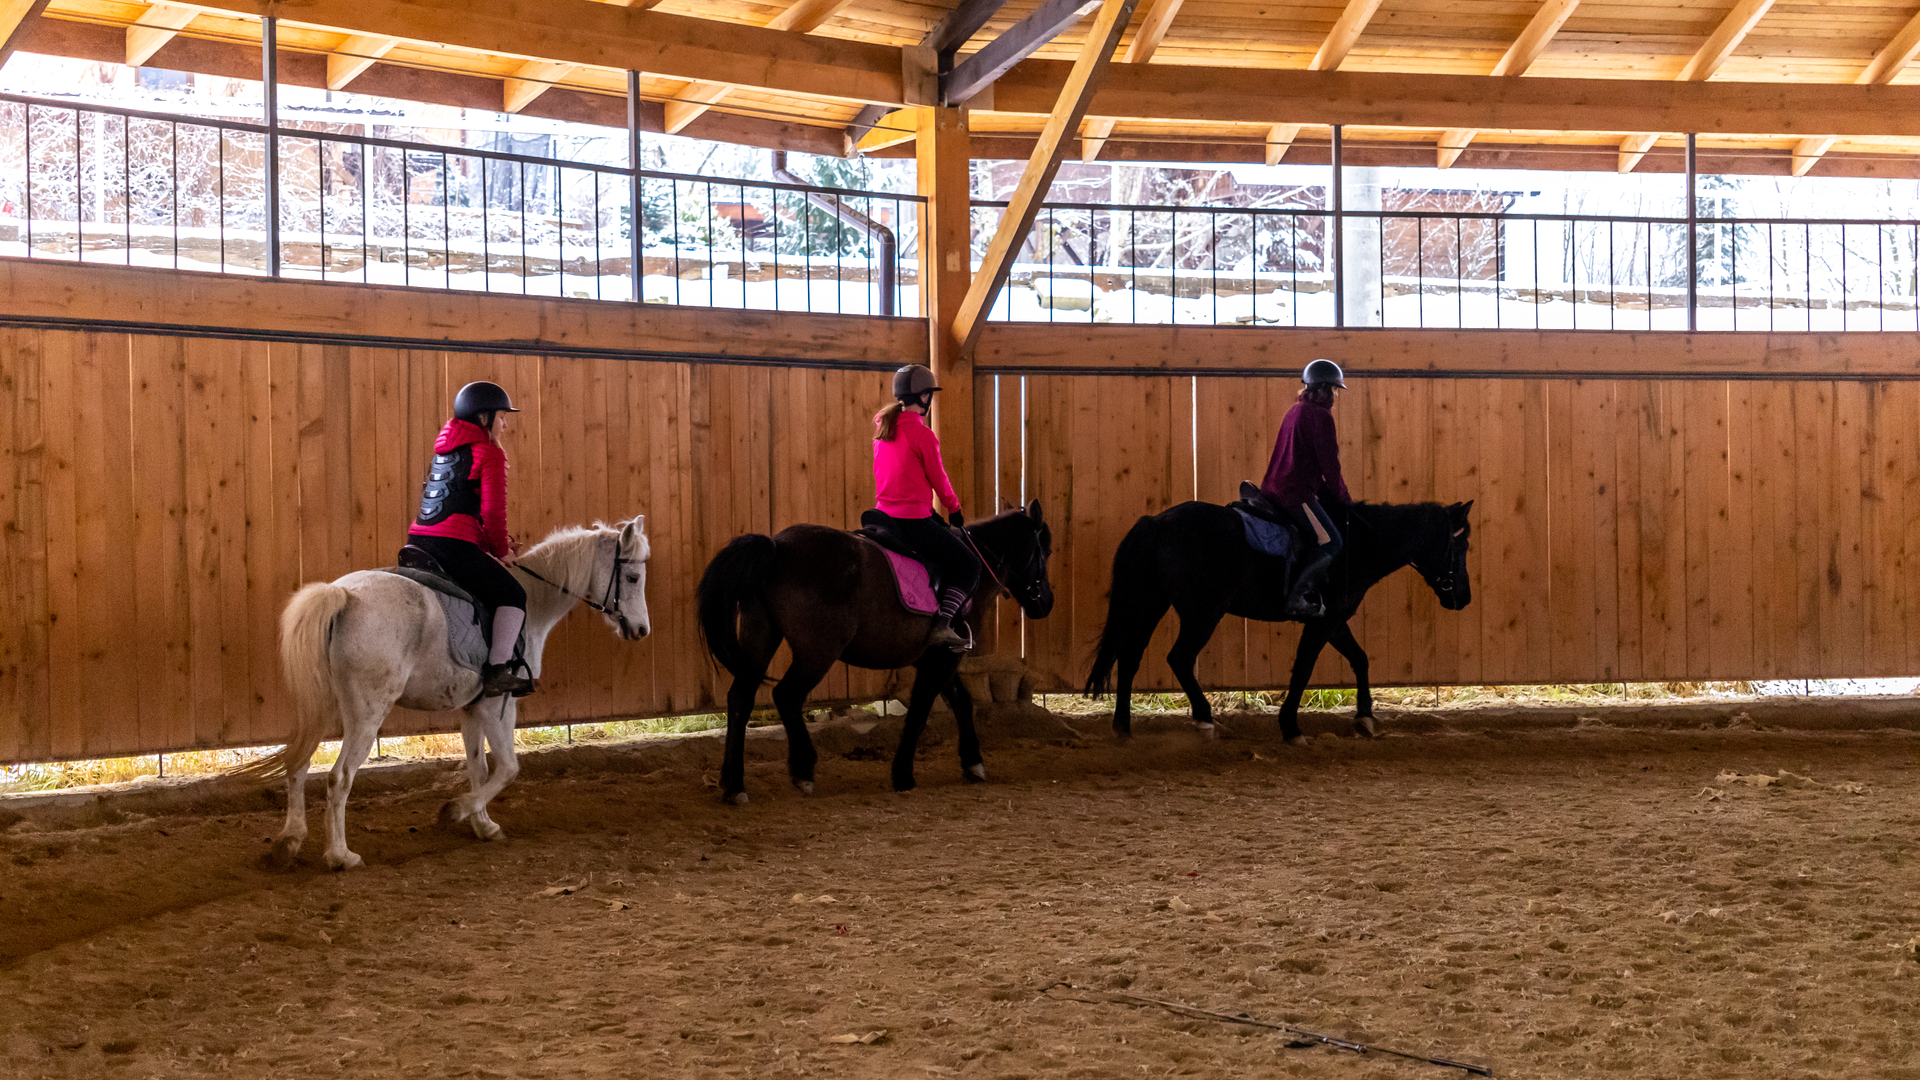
x,y
908,474
463,523
1304,468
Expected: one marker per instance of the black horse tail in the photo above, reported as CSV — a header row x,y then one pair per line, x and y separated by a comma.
x,y
1129,599
738,572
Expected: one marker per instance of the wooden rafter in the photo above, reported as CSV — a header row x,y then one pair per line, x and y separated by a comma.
x,y
896,127
13,15
1024,204
977,71
1726,37
800,17
154,29
956,29
535,77
1279,140
1148,32
1890,61
1345,34
1526,48
355,55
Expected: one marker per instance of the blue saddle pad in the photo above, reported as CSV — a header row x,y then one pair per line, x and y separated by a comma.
x,y
1264,536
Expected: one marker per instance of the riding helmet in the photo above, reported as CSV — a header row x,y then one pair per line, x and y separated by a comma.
x,y
479,397
912,381
1324,372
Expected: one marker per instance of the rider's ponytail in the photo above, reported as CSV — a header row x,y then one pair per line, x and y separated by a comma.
x,y
886,421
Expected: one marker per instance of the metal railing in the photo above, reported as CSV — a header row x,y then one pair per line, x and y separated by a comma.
x,y
1457,269
98,184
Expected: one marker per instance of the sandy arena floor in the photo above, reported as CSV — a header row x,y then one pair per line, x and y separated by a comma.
x,y
1588,900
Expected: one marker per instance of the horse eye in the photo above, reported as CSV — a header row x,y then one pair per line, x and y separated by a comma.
x,y
632,578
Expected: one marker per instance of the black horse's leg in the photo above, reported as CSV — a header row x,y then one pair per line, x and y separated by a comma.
x,y
1195,632
973,768
1313,638
1130,652
789,697
1341,637
758,640
936,669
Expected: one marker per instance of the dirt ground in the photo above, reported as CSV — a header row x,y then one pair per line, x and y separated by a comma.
x,y
1592,899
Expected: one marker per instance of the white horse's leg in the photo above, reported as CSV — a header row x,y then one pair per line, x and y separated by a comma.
x,y
362,724
492,718
294,832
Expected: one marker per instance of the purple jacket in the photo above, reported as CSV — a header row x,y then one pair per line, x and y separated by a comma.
x,y
1306,459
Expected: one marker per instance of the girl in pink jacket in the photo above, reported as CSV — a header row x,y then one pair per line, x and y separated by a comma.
x,y
908,475
463,524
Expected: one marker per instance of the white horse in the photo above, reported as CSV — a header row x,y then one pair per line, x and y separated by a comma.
x,y
353,648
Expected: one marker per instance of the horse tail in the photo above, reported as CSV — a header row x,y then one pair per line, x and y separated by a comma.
x,y
739,571
1130,599
306,631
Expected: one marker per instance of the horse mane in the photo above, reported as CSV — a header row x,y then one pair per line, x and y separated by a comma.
x,y
565,555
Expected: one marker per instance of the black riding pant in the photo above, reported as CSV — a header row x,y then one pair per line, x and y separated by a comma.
x,y
474,570
949,555
1315,524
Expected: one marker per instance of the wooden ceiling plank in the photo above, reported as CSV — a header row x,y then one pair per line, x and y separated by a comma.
x,y
800,17
1148,32
1890,61
1345,34
355,55
155,28
535,77
1024,203
1520,55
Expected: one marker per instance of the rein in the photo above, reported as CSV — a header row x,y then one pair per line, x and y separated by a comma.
x,y
986,563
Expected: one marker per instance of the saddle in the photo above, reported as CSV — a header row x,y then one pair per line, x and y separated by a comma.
x,y
1269,529
917,583
469,622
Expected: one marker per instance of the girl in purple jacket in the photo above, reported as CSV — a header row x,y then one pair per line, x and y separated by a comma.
x,y
908,474
1304,468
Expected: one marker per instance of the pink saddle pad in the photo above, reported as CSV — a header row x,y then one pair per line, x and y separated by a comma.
x,y
916,592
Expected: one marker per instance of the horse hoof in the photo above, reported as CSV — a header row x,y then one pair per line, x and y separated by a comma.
x,y
805,786
450,813
284,850
1207,731
904,786
738,798
976,774
1299,741
1366,728
343,862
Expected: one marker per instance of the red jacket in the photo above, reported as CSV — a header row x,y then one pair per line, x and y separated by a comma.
x,y
1306,459
908,473
489,530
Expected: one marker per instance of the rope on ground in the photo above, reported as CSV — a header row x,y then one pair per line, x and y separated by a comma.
x,y
1310,1038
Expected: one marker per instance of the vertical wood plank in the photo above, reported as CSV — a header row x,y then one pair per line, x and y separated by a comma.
x,y
70,734
1703,477
1844,646
1816,577
1732,540
159,524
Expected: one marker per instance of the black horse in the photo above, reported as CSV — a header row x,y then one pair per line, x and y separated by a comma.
x,y
1195,559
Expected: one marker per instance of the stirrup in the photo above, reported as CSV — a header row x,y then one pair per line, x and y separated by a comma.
x,y
949,637
510,677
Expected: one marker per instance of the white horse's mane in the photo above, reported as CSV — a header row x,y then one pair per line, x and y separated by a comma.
x,y
566,555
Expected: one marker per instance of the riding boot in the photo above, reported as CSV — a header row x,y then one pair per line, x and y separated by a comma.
x,y
946,633
503,672
1298,606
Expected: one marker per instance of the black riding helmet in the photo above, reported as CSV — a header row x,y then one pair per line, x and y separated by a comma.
x,y
1324,373
912,381
480,397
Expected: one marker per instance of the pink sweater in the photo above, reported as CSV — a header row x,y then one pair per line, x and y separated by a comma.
x,y
907,471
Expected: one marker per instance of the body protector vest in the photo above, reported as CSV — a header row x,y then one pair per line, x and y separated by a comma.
x,y
450,489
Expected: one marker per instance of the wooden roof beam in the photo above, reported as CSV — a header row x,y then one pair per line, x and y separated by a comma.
x,y
1345,34
355,55
979,70
1520,55
1147,35
1890,61
1024,204
1280,139
956,29
1726,37
530,80
800,17
154,28
15,15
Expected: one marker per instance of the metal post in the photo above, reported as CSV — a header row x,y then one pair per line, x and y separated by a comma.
x,y
633,177
270,96
1339,236
1693,242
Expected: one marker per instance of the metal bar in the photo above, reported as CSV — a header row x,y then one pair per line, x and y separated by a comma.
x,y
1340,233
634,183
270,101
1693,239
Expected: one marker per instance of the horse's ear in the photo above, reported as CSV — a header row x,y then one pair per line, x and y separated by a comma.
x,y
1033,511
1463,508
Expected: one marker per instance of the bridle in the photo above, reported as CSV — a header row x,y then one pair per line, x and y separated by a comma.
x,y
609,603
1445,584
1036,576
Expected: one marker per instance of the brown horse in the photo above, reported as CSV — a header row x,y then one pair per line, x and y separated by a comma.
x,y
831,596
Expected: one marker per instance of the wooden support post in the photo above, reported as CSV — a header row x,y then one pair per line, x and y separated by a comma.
x,y
1061,125
946,265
